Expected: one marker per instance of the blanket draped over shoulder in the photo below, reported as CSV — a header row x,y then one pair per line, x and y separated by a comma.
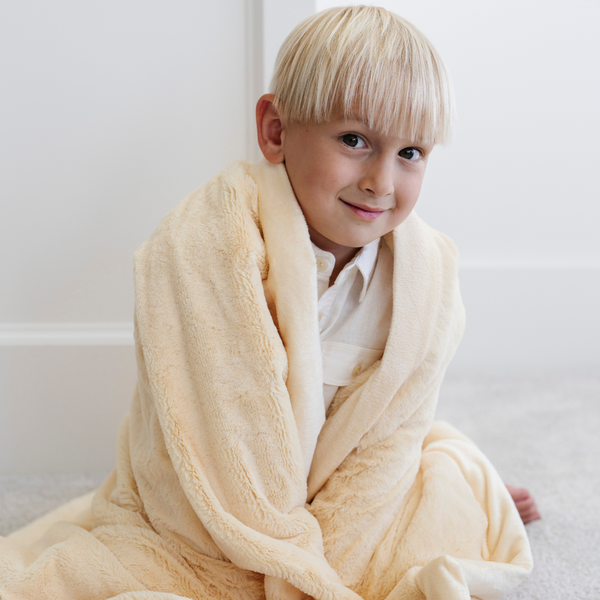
x,y
231,481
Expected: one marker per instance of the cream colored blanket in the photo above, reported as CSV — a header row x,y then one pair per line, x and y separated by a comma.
x,y
231,482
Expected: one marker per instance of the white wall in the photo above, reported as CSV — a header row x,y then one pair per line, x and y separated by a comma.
x,y
113,111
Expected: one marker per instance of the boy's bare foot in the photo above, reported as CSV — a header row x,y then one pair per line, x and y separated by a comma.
x,y
525,504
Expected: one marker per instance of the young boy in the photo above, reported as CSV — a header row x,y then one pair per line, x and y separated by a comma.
x,y
294,319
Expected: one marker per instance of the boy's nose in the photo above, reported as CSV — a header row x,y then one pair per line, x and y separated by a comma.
x,y
378,178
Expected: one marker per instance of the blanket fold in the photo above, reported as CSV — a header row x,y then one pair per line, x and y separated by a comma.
x,y
231,482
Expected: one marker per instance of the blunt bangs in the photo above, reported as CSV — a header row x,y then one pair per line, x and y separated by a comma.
x,y
367,61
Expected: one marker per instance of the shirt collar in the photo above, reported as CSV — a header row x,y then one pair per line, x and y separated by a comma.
x,y
364,260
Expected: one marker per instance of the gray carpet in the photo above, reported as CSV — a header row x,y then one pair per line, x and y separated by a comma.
x,y
541,432
25,498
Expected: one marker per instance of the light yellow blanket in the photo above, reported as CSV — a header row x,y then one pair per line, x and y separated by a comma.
x,y
231,482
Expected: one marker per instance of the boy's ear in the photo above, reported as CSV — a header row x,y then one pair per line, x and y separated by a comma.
x,y
270,129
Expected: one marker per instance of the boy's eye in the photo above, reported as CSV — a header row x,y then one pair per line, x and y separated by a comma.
x,y
410,153
353,140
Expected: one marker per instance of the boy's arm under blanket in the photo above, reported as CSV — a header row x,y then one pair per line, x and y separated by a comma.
x,y
213,373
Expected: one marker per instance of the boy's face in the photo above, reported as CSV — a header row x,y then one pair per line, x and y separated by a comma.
x,y
353,184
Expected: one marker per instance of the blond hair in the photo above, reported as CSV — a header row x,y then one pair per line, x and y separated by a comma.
x,y
364,61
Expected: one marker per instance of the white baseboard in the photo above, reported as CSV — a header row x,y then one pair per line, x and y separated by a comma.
x,y
517,315
61,406
538,316
66,334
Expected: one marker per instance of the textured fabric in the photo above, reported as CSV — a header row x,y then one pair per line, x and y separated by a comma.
x,y
354,314
230,483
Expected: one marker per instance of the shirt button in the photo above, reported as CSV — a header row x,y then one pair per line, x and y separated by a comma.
x,y
321,264
357,369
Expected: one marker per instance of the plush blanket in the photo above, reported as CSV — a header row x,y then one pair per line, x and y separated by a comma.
x,y
231,481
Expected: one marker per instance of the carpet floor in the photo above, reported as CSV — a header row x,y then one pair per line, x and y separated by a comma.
x,y
541,432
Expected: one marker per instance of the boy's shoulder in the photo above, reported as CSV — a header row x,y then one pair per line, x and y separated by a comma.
x,y
221,214
418,241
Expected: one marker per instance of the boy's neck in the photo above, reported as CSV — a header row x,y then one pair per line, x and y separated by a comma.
x,y
341,260
342,254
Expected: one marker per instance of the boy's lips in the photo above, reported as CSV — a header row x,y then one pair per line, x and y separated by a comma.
x,y
363,211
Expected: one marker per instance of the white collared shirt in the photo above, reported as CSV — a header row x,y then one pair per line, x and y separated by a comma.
x,y
354,313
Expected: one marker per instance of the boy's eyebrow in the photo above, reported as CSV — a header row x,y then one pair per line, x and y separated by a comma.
x,y
354,117
360,119
351,116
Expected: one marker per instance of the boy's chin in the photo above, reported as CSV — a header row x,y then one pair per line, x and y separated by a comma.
x,y
345,243
336,241
359,240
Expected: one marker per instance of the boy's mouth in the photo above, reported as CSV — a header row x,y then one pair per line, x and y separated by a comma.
x,y
364,212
